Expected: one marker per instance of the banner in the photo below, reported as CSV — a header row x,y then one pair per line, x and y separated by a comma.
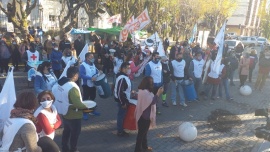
x,y
194,33
7,98
143,64
115,19
200,37
84,51
129,22
139,23
219,40
123,35
64,73
205,37
10,27
155,37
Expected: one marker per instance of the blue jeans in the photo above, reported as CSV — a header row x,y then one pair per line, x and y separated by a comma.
x,y
71,132
177,86
224,83
197,85
231,76
120,117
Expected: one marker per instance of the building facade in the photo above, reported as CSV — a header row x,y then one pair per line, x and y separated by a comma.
x,y
245,19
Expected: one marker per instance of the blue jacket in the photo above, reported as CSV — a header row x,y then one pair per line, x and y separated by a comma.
x,y
40,84
83,75
56,58
148,73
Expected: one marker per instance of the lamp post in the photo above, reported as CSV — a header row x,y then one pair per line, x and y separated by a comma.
x,y
40,8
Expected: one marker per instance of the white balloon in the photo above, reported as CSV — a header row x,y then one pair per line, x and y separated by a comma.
x,y
187,131
245,90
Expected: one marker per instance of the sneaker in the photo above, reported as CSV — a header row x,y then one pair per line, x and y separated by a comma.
x,y
183,104
174,103
165,104
218,97
95,113
148,149
122,134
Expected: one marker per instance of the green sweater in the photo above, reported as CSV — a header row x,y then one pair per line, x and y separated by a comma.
x,y
74,100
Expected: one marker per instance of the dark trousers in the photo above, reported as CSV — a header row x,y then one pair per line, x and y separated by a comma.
x,y
4,65
243,79
71,132
141,141
250,75
120,117
89,93
16,59
57,73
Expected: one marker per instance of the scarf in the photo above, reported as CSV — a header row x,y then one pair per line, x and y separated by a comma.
x,y
23,113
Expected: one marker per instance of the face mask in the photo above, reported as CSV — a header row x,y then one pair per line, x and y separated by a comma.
x,y
92,60
106,45
128,72
56,49
46,104
179,59
178,45
199,58
68,54
157,59
165,62
14,43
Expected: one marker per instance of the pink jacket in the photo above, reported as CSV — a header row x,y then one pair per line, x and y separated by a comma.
x,y
244,66
145,99
134,69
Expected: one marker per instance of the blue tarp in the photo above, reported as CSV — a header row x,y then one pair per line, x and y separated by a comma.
x,y
79,31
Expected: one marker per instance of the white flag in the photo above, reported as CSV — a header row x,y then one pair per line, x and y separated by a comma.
x,y
219,40
7,98
84,51
64,73
160,49
155,37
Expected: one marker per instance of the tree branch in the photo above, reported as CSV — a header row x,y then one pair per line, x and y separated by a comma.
x,y
29,8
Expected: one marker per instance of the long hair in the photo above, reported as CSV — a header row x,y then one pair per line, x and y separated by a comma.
x,y
129,56
147,84
41,68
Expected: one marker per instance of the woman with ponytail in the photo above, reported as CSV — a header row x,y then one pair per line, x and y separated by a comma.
x,y
45,78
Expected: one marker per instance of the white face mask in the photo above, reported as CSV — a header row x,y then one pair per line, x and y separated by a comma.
x,y
46,104
129,72
56,49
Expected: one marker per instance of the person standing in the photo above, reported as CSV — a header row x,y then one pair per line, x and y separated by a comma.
x,y
56,59
178,72
79,45
22,124
264,69
233,66
253,61
71,106
31,56
145,112
45,78
166,44
244,69
175,50
88,73
166,79
16,56
4,57
38,47
65,43
122,92
196,70
47,116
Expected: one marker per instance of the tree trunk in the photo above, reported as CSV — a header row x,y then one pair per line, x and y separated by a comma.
x,y
91,18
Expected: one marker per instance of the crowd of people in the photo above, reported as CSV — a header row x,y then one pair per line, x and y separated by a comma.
x,y
185,64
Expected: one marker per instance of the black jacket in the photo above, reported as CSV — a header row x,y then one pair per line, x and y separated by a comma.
x,y
121,86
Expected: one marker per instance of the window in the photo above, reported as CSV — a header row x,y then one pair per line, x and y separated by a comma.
x,y
52,18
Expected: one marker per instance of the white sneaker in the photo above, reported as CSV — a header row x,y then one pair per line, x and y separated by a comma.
x,y
174,103
183,104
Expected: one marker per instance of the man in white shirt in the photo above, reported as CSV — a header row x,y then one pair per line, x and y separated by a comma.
x,y
195,70
177,68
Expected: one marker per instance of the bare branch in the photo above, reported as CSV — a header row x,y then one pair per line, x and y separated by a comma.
x,y
3,9
29,8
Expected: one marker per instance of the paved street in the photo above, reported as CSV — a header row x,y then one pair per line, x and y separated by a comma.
x,y
99,132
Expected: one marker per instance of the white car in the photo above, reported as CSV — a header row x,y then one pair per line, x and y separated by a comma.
x,y
249,41
233,43
261,40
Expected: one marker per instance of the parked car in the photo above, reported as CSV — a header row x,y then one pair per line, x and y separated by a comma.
x,y
233,43
261,40
249,41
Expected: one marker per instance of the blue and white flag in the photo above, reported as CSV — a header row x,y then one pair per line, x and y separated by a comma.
x,y
194,32
7,98
219,40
